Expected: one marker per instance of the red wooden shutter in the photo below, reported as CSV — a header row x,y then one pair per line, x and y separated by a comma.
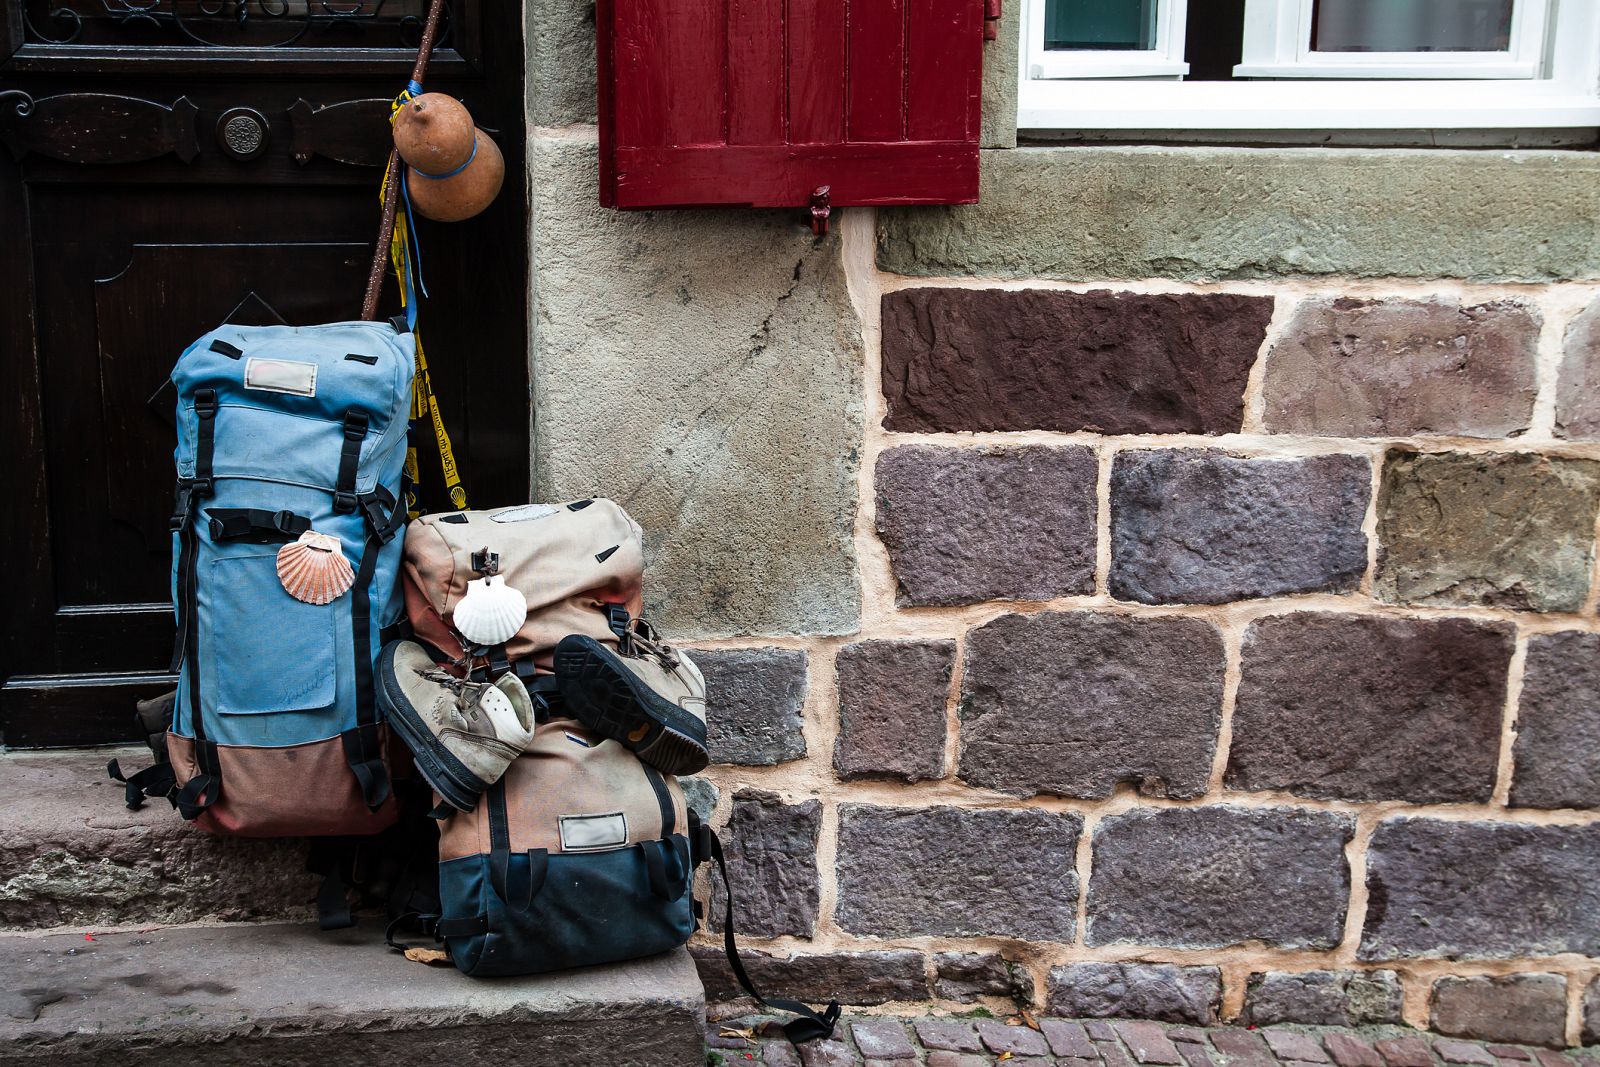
x,y
760,102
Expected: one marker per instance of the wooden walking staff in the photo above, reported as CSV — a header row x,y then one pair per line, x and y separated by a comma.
x,y
391,192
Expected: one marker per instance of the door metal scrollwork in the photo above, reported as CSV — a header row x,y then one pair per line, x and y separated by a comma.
x,y
97,127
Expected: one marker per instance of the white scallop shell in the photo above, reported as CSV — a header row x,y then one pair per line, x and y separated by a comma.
x,y
491,613
313,569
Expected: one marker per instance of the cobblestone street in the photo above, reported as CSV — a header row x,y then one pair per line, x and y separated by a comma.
x,y
948,1041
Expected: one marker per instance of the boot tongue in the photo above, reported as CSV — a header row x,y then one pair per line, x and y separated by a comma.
x,y
497,706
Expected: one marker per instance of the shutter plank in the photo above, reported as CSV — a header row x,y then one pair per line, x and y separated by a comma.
x,y
755,72
905,172
876,100
671,85
942,69
816,74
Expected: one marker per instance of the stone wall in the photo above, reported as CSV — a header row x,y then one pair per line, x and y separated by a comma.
x,y
1167,588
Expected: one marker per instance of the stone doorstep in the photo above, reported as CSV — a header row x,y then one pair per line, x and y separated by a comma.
x,y
291,995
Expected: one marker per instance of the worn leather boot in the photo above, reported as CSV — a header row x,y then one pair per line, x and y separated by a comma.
x,y
463,734
642,694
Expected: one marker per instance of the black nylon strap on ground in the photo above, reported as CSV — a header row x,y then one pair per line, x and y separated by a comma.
x,y
154,781
809,1025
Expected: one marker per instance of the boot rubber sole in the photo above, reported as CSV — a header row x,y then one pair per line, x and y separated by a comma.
x,y
600,691
448,776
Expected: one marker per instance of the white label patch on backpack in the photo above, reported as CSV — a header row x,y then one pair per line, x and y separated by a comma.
x,y
524,513
585,833
281,376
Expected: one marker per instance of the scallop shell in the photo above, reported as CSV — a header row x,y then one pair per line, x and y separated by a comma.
x,y
491,613
313,569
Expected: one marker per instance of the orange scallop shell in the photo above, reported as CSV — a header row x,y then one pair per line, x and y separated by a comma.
x,y
313,569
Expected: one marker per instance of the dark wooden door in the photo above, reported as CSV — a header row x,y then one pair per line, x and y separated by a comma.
x,y
174,164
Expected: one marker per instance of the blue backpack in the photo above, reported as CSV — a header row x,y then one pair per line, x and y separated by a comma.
x,y
283,430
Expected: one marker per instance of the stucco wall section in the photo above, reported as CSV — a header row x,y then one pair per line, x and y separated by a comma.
x,y
704,369
1085,213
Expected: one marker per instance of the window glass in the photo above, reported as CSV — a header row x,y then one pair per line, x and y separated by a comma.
x,y
1100,25
1411,25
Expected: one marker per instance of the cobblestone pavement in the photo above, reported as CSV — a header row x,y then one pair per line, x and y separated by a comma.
x,y
951,1041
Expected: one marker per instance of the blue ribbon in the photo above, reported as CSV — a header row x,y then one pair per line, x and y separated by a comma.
x,y
451,174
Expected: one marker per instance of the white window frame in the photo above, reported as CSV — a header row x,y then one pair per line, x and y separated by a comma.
x,y
1165,60
1277,44
1565,94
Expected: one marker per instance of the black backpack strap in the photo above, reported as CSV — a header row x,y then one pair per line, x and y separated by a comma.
x,y
344,489
256,525
152,719
362,748
809,1024
334,858
205,787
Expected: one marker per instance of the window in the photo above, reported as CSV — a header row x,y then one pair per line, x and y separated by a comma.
x,y
1309,64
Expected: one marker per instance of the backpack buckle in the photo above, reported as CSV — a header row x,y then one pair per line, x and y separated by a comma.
x,y
183,503
345,502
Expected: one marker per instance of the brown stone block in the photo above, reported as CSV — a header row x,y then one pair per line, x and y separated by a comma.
x,y
1116,363
1398,368
1512,530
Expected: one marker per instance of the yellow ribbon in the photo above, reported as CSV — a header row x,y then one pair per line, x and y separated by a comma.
x,y
423,400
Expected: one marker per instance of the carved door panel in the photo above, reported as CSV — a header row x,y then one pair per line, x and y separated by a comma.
x,y
171,165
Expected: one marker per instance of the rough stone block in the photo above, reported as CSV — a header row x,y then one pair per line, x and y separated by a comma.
x,y
1160,991
1405,1052
1214,876
561,62
1349,1050
966,976
1351,707
73,855
732,338
1076,703
1039,359
754,700
954,872
857,978
1400,368
1205,213
1243,1048
1295,1046
1512,530
882,1039
941,1058
1487,890
1529,1009
1000,1039
1557,752
1323,998
1578,384
1202,527
946,1034
1591,1013
249,994
831,1053
1148,1042
771,849
999,126
1463,1052
1067,1039
892,704
701,794
964,525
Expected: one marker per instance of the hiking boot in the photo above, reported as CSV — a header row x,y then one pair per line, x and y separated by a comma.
x,y
463,734
644,695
